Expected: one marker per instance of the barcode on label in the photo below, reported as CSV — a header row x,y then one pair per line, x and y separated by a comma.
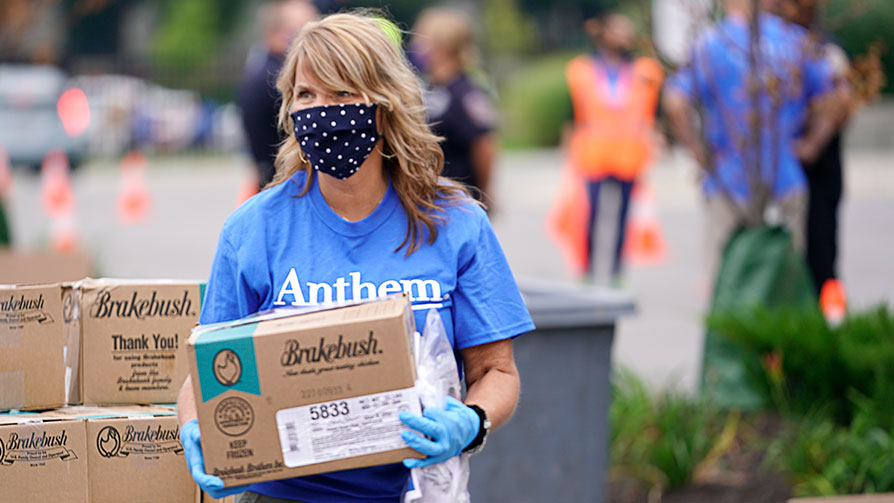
x,y
292,437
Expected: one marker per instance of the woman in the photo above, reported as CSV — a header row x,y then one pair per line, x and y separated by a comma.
x,y
357,204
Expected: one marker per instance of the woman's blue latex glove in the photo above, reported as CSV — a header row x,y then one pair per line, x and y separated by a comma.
x,y
192,451
449,430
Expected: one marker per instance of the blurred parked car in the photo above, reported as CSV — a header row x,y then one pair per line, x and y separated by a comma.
x,y
32,108
133,113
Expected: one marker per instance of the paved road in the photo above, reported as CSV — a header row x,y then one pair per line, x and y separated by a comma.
x,y
193,195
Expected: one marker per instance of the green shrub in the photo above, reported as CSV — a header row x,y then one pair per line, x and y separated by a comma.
x,y
825,459
664,440
806,367
535,103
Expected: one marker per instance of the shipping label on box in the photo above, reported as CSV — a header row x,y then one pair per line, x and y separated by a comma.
x,y
43,458
287,396
32,347
133,339
137,457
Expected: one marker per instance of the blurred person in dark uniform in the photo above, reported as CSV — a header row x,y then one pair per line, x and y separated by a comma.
x,y
442,49
824,170
614,98
258,98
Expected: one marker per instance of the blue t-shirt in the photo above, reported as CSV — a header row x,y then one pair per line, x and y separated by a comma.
x,y
279,249
717,77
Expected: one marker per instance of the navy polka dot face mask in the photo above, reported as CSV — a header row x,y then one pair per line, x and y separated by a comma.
x,y
336,138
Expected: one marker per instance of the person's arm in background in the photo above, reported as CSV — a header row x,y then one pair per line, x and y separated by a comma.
x,y
827,112
483,144
845,98
484,156
823,122
679,112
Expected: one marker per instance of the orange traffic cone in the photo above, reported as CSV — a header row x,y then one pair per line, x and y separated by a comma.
x,y
833,301
133,198
63,235
57,195
247,188
644,244
566,221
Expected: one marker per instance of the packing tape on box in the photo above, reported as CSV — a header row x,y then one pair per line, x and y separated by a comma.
x,y
12,389
72,316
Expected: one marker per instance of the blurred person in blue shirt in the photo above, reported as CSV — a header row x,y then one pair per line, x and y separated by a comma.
x,y
442,50
258,97
793,81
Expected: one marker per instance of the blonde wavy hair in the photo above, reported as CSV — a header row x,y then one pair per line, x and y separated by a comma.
x,y
352,51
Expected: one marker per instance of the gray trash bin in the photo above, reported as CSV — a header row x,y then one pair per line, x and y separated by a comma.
x,y
555,448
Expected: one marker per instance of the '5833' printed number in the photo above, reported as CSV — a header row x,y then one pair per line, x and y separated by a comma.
x,y
327,410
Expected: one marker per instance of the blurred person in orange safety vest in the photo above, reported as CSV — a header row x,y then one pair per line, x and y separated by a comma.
x,y
614,97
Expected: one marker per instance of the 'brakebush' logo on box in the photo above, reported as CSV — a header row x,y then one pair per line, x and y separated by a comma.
x,y
15,311
110,443
134,307
35,448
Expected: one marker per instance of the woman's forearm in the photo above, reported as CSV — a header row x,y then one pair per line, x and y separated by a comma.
x,y
493,381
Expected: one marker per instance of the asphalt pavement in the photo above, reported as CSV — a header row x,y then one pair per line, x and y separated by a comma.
x,y
191,197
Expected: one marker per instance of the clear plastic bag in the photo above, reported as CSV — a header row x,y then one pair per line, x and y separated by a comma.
x,y
437,378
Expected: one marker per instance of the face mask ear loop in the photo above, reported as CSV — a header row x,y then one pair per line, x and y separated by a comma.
x,y
381,149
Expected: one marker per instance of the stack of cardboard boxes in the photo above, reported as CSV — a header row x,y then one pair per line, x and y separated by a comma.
x,y
92,364
83,363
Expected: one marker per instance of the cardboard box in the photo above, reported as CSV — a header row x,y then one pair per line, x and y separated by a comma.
x,y
133,339
137,457
32,268
35,346
285,396
43,458
207,498
133,453
871,498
